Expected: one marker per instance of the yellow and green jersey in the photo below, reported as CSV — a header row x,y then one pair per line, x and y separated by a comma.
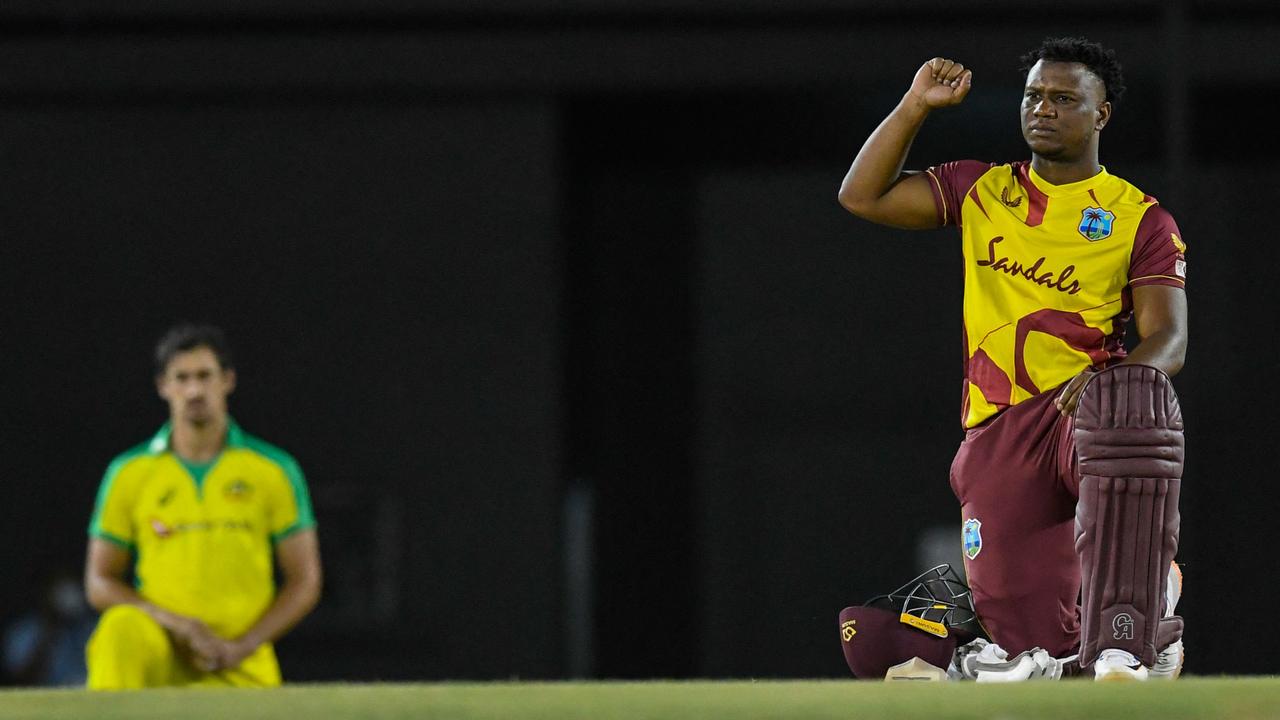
x,y
1048,274
203,537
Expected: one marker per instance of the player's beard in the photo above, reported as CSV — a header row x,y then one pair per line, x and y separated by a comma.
x,y
1054,151
1055,147
199,414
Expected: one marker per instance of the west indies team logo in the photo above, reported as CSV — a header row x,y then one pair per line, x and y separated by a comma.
x,y
1095,223
971,533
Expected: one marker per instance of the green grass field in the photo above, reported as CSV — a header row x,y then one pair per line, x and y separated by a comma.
x,y
1236,698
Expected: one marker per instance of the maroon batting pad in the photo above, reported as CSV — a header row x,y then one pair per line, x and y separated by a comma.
x,y
1129,442
874,640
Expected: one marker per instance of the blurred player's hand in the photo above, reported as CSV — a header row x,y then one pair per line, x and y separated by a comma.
x,y
1070,395
233,652
201,648
940,83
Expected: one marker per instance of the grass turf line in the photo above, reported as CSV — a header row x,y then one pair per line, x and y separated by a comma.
x,y
1237,698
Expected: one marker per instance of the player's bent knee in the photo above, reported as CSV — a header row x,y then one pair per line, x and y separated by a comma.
x,y
1128,424
128,649
128,624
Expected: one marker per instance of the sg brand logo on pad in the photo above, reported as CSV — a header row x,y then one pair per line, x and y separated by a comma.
x,y
847,630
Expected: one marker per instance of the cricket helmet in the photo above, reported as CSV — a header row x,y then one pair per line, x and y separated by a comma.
x,y
928,617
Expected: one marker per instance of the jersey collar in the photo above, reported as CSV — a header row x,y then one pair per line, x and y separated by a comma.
x,y
160,442
1075,188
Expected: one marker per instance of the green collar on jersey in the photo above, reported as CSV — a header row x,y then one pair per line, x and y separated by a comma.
x,y
160,443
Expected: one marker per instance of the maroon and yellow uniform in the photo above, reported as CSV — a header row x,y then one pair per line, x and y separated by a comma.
x,y
1049,272
1049,275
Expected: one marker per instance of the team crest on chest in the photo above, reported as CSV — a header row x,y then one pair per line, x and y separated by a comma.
x,y
238,489
971,533
1095,223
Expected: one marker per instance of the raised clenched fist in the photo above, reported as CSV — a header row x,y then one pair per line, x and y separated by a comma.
x,y
940,83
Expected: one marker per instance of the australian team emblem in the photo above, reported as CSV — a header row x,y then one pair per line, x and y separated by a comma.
x,y
972,536
238,490
1095,223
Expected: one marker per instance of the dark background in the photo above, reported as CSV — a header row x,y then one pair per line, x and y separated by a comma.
x,y
589,373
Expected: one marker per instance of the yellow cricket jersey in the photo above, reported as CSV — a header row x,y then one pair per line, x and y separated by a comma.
x,y
204,548
1048,274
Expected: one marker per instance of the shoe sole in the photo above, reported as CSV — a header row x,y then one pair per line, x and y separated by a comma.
x,y
1119,677
1122,674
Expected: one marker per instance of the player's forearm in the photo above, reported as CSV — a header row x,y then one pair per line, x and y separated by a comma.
x,y
879,162
1166,350
103,592
295,600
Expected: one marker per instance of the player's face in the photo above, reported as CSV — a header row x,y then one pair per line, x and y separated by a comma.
x,y
1063,109
196,387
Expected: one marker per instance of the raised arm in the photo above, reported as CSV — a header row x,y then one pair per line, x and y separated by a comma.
x,y
875,187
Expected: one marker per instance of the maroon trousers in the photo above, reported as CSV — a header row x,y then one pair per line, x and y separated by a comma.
x,y
1016,477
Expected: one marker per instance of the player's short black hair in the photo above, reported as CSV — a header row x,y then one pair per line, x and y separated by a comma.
x,y
1101,61
185,337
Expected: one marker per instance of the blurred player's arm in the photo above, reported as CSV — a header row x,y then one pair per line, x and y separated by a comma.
x,y
1160,312
298,557
875,187
105,586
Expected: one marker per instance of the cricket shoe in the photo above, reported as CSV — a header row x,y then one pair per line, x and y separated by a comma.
x,y
1168,663
964,663
1033,664
1115,665
1169,660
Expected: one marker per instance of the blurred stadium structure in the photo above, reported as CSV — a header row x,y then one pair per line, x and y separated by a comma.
x,y
471,250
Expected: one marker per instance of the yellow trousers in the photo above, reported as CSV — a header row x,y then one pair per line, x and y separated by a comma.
x,y
128,650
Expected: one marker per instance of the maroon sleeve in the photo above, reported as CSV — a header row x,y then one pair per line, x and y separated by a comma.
x,y
1159,255
949,182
